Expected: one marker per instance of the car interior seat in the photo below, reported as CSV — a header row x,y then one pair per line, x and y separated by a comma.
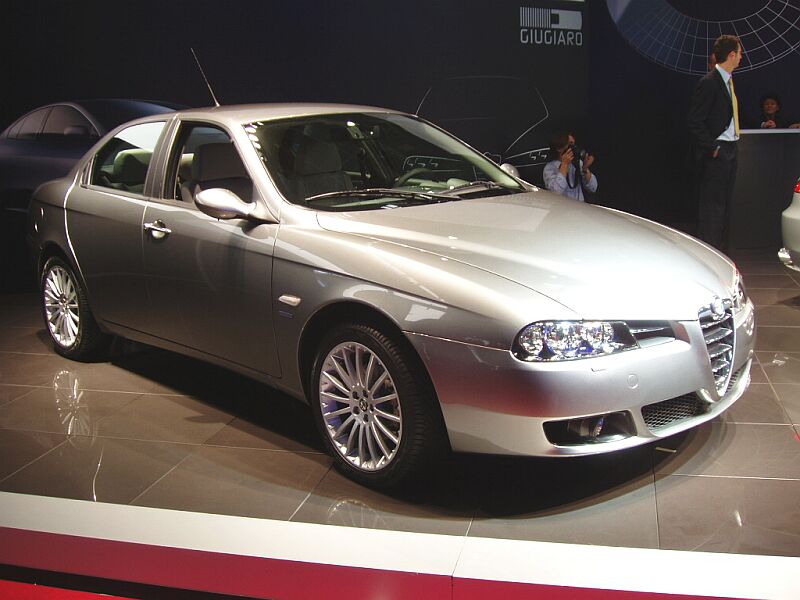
x,y
218,165
130,169
318,169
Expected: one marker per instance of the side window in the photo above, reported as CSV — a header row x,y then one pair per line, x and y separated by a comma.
x,y
122,163
30,125
65,120
204,157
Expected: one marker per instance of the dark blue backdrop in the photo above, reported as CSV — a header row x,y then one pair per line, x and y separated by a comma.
x,y
488,71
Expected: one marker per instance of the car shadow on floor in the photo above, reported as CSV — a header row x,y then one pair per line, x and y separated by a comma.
x,y
460,486
499,485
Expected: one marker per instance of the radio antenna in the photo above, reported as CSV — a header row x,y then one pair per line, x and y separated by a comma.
x,y
199,66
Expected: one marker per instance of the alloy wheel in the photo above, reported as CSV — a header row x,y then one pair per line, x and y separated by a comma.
x,y
61,306
360,406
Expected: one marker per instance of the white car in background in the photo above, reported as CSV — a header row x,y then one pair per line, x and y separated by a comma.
x,y
790,228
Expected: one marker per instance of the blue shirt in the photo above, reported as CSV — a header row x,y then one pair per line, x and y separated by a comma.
x,y
556,182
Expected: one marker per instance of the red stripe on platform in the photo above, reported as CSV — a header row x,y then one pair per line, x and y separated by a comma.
x,y
27,591
260,577
250,576
481,589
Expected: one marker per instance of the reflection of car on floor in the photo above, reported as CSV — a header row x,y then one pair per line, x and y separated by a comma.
x,y
499,115
417,296
44,144
790,228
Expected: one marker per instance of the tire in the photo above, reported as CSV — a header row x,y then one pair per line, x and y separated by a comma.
x,y
69,320
374,408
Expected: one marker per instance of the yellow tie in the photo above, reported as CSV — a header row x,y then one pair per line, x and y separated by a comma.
x,y
735,108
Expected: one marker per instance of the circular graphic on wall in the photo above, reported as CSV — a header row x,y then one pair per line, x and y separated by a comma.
x,y
681,42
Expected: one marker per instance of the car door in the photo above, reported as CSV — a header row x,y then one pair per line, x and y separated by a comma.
x,y
104,224
209,281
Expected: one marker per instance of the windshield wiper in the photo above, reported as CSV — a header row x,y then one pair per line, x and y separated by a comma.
x,y
378,192
469,186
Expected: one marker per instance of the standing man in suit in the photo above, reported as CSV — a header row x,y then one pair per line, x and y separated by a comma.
x,y
714,127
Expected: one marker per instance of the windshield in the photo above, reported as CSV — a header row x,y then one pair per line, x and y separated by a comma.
x,y
372,161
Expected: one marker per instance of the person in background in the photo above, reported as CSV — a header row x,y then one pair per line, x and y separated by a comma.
x,y
713,123
568,172
770,114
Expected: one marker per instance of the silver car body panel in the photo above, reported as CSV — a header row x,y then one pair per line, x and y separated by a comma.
x,y
460,279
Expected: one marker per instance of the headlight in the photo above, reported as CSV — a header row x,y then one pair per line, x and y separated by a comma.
x,y
568,340
739,293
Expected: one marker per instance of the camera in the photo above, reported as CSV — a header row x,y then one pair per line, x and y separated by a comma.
x,y
578,153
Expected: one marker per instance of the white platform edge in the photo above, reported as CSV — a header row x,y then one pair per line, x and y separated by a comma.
x,y
542,563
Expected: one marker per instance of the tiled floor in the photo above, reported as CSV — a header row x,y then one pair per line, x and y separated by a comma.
x,y
153,428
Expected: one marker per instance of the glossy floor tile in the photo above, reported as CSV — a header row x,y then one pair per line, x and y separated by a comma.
x,y
604,500
165,418
759,404
339,501
71,411
98,469
789,396
20,448
8,393
235,481
733,450
728,514
780,367
153,428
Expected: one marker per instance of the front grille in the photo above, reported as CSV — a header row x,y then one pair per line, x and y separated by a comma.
x,y
669,412
736,376
718,332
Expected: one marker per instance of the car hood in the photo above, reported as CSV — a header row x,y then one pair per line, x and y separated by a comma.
x,y
598,262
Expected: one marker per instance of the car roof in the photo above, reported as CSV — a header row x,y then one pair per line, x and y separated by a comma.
x,y
247,113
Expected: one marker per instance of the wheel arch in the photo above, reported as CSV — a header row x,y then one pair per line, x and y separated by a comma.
x,y
342,312
48,251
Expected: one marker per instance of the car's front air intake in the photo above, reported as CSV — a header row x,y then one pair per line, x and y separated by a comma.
x,y
670,412
718,331
647,333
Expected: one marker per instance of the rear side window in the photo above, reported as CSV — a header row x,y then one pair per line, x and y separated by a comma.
x,y
122,163
29,126
65,120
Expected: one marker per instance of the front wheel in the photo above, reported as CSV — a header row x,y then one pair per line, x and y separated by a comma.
x,y
374,408
69,320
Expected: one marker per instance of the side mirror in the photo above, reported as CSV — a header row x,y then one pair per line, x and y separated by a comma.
x,y
223,204
510,169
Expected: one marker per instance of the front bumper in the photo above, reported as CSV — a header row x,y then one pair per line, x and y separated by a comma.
x,y
493,403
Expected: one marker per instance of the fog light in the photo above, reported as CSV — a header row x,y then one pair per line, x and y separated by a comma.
x,y
587,428
596,429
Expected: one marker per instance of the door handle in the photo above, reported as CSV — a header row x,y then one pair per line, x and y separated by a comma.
x,y
157,229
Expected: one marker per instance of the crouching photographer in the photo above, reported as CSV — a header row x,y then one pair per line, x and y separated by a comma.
x,y
568,172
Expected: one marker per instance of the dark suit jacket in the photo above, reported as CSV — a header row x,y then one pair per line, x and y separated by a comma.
x,y
710,111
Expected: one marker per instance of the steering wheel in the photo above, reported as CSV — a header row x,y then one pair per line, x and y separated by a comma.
x,y
412,173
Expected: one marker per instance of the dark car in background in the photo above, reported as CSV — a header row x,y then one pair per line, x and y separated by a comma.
x,y
44,144
506,118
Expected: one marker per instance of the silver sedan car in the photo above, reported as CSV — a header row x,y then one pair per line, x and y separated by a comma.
x,y
420,298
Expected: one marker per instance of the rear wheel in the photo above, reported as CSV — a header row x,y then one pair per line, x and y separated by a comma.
x,y
374,408
69,319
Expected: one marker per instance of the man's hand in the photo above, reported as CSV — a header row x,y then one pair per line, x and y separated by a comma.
x,y
768,124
